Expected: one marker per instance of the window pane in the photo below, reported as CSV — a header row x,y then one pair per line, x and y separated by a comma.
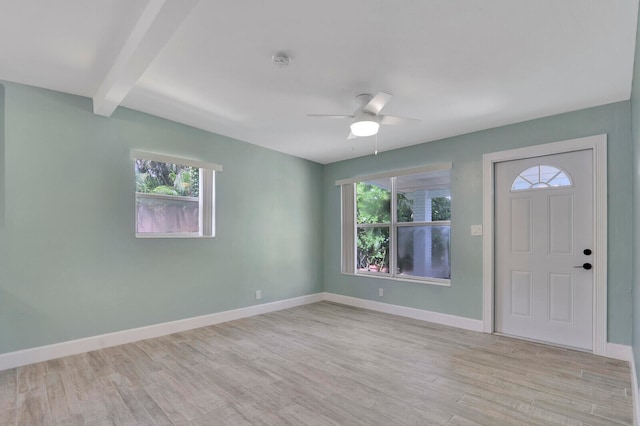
x,y
373,249
424,197
560,180
154,177
548,172
373,201
532,174
541,177
166,214
520,183
423,251
441,208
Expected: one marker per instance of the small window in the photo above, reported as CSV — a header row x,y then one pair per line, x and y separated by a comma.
x,y
174,197
541,177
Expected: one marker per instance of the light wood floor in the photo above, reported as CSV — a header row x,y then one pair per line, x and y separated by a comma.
x,y
321,364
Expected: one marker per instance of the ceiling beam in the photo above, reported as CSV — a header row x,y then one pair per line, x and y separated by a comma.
x,y
158,22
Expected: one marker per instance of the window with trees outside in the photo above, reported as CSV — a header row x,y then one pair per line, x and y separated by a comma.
x,y
174,196
398,226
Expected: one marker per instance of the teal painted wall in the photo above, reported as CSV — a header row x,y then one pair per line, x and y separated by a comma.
x,y
70,266
464,297
635,126
2,168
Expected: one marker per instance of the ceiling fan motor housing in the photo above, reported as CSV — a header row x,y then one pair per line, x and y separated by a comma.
x,y
363,99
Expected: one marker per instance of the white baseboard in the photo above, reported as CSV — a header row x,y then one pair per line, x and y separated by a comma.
x,y
625,353
621,352
403,311
634,390
73,347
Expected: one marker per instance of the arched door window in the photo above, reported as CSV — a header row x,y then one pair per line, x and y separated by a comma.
x,y
541,177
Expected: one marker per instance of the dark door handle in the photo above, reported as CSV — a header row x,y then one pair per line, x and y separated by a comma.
x,y
586,266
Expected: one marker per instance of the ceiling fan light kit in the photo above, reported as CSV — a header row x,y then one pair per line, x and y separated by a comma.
x,y
364,127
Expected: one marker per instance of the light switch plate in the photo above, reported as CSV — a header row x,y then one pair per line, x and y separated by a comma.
x,y
476,229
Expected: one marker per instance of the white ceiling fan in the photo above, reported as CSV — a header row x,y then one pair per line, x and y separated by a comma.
x,y
366,120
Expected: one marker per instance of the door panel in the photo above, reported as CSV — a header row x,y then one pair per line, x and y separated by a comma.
x,y
521,299
561,297
541,232
560,229
521,225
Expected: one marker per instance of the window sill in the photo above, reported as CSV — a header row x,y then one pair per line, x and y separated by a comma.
x,y
152,236
383,276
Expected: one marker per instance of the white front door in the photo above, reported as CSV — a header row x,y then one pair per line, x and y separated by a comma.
x,y
544,248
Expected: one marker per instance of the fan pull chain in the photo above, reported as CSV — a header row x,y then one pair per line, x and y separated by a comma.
x,y
376,150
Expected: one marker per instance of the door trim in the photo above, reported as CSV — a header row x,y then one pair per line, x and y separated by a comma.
x,y
598,144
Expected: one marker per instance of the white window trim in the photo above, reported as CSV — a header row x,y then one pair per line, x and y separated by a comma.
x,y
207,198
165,158
404,172
349,227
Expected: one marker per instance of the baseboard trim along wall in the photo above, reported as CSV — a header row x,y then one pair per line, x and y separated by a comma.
x,y
621,352
403,311
73,347
635,390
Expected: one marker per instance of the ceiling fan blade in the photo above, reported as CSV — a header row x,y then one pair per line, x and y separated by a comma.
x,y
328,116
377,103
393,120
351,136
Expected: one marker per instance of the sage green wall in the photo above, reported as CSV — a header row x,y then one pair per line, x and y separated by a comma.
x,y
635,126
2,174
70,266
464,297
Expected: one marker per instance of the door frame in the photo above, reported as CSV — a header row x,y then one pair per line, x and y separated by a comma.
x,y
598,144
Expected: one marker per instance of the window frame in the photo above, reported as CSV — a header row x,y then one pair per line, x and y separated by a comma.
x,y
534,186
348,210
206,197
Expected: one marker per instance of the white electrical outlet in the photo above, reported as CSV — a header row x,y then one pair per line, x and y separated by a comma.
x,y
476,229
258,295
381,292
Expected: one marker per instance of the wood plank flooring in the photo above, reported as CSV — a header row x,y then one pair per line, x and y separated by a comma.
x,y
321,364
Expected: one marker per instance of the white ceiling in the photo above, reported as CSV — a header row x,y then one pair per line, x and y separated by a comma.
x,y
457,65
